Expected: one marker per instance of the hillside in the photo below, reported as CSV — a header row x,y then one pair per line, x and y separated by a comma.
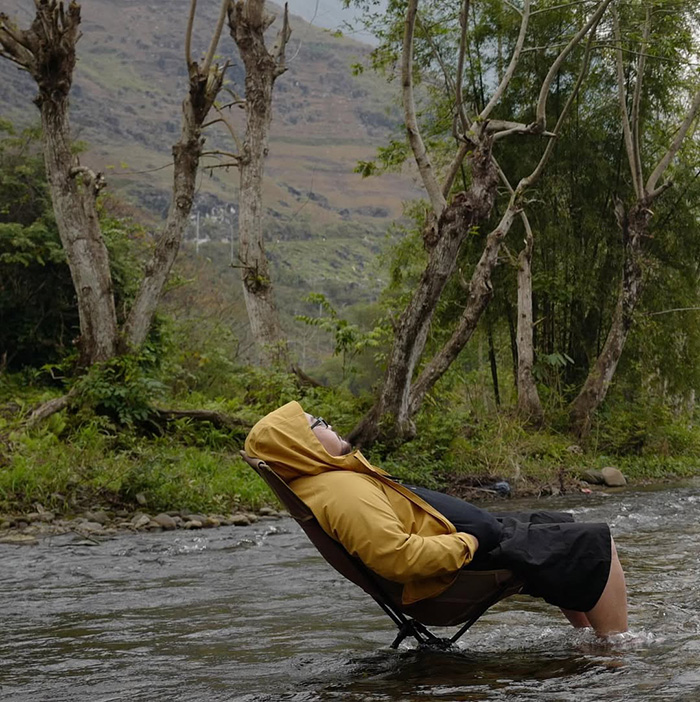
x,y
126,107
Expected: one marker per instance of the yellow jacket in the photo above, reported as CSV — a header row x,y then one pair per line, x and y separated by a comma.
x,y
390,529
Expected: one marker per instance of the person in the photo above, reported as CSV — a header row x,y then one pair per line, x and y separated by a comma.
x,y
421,538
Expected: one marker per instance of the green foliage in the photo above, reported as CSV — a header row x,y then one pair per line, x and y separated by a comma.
x,y
348,339
91,465
38,312
120,389
38,318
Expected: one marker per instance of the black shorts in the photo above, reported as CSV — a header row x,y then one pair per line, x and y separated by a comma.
x,y
564,562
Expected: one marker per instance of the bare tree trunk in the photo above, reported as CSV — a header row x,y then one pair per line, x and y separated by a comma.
x,y
248,22
47,51
399,400
392,412
597,383
478,298
529,405
205,82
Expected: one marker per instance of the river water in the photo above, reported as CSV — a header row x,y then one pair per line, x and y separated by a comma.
x,y
252,614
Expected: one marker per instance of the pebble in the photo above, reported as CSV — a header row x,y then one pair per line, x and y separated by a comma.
x,y
165,521
100,516
139,521
97,522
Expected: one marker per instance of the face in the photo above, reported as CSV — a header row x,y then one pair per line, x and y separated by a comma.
x,y
330,440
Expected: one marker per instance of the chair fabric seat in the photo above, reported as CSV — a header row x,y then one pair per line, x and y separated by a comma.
x,y
472,593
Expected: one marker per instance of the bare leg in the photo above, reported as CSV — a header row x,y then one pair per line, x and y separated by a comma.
x,y
609,616
579,620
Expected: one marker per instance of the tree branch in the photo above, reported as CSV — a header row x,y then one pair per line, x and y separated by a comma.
x,y
437,199
547,84
459,99
636,99
515,58
280,44
632,158
215,39
529,180
188,34
673,149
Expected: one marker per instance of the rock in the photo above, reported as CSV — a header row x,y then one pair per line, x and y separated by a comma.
x,y
99,516
592,476
267,511
575,449
502,487
91,527
5,524
613,477
139,521
32,517
240,520
194,517
154,526
141,499
210,522
193,524
165,521
252,517
24,539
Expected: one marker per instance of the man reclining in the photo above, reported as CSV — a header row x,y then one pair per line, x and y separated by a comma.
x,y
422,538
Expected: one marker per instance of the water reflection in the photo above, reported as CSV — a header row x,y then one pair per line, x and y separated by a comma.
x,y
250,614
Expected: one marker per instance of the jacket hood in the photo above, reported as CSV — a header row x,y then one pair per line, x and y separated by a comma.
x,y
285,441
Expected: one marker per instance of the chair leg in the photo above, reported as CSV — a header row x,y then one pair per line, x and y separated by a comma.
x,y
422,635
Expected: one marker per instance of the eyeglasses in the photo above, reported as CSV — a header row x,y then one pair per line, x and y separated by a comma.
x,y
319,421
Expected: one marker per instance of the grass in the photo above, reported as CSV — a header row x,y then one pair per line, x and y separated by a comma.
x,y
79,459
94,467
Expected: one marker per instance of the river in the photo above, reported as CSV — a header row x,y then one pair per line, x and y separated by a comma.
x,y
252,614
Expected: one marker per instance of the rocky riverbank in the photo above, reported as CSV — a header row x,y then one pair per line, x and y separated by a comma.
x,y
100,523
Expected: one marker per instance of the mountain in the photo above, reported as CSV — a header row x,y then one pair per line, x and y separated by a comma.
x,y
125,106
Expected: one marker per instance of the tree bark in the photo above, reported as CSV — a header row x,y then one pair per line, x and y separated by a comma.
x,y
248,22
47,51
392,414
529,406
634,227
205,82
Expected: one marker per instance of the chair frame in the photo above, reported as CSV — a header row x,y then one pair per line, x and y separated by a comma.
x,y
501,583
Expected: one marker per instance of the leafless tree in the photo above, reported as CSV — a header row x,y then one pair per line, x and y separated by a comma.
x,y
452,218
47,50
248,22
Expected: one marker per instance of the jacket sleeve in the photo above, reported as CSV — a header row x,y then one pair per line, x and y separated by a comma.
x,y
364,522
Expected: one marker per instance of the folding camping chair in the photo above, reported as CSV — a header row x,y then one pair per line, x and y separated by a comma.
x,y
473,592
